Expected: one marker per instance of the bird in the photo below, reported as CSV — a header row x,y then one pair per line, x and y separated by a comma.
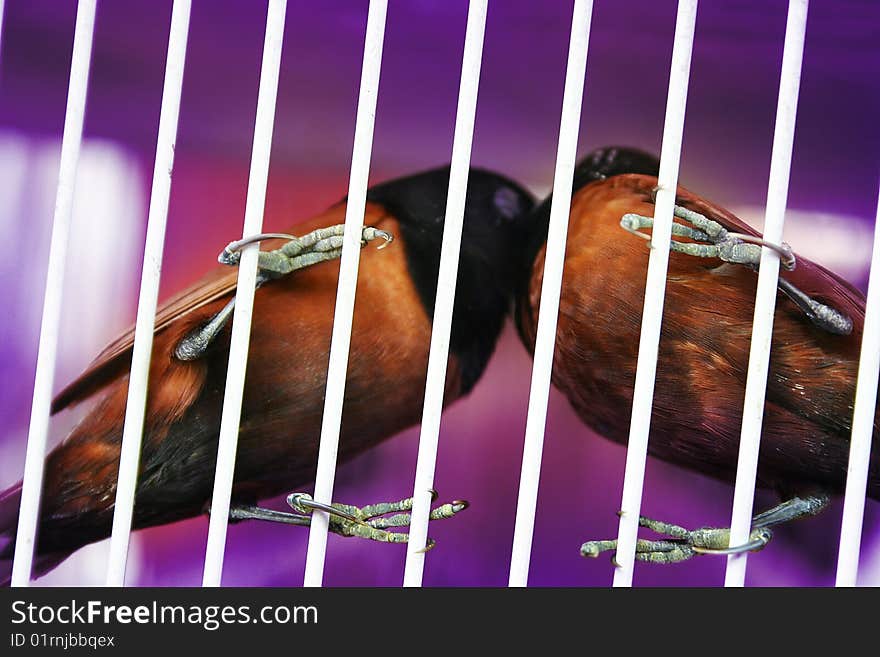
x,y
286,368
704,347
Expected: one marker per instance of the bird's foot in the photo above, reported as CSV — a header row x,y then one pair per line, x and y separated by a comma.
x,y
681,544
298,253
373,521
712,240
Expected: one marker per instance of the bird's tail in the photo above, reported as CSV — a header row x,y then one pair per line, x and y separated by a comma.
x,y
10,501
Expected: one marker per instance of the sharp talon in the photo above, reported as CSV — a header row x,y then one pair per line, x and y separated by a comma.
x,y
784,250
428,546
614,562
388,237
300,501
619,514
434,494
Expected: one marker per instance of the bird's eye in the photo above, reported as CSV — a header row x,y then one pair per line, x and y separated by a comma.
x,y
508,203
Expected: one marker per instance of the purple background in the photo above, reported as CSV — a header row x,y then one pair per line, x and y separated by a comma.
x,y
728,136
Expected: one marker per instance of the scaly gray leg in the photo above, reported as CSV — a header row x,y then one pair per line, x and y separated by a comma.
x,y
370,522
825,317
686,543
298,253
712,240
792,509
249,512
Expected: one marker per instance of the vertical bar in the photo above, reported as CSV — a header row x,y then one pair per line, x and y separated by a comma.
x,y
863,426
765,299
244,296
545,340
71,141
345,292
2,15
655,292
445,300
149,295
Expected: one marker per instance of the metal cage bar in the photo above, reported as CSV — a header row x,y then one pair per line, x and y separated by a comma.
x,y
340,341
244,296
862,426
765,298
438,355
38,430
160,192
545,340
655,292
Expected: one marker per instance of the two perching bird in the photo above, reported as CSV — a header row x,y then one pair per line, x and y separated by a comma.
x,y
700,377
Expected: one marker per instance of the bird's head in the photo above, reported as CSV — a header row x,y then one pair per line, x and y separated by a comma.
x,y
494,233
599,164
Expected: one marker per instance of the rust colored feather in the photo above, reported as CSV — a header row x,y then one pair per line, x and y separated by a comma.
x,y
704,347
218,284
282,404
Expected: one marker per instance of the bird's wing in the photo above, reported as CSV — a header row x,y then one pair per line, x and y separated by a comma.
x,y
219,283
115,359
216,285
807,348
812,278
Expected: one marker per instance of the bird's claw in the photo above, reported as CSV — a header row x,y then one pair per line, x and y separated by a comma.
x,y
299,252
372,522
711,240
312,248
681,544
371,233
318,246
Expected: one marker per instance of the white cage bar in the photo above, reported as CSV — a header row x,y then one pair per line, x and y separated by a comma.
x,y
160,193
447,276
551,286
2,14
862,426
869,364
655,292
244,296
71,140
340,341
765,298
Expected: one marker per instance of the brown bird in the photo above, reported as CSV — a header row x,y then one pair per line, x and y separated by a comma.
x,y
286,371
704,346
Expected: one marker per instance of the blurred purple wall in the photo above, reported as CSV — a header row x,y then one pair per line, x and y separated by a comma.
x,y
728,136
